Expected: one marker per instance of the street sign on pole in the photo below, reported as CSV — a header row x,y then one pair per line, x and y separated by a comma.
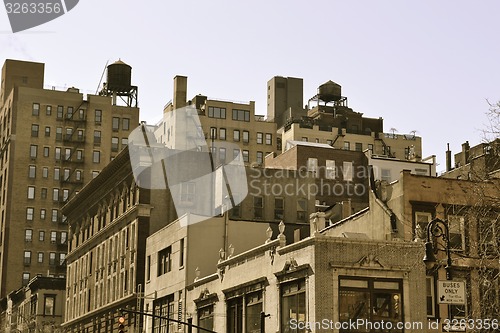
x,y
451,292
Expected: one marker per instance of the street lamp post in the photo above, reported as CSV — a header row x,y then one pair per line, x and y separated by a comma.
x,y
438,229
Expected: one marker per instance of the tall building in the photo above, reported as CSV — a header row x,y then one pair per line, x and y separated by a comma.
x,y
284,99
51,143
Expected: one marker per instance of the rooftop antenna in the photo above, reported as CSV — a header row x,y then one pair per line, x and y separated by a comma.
x,y
100,81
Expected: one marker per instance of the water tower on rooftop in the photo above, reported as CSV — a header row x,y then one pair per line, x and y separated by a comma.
x,y
119,84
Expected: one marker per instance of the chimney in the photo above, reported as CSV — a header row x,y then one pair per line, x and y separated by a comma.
x,y
465,152
346,208
448,159
180,91
317,222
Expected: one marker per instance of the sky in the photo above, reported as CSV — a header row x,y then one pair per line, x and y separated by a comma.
x,y
428,66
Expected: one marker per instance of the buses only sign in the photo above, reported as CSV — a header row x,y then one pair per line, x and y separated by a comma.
x,y
451,292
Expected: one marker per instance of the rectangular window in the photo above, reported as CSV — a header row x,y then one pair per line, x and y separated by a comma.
x,y
57,153
44,193
78,175
115,124
28,235
429,280
124,142
60,112
98,116
48,110
347,145
188,190
370,147
40,257
312,166
32,171
43,213
66,174
125,124
57,173
330,169
236,135
30,212
386,175
69,114
164,261
53,237
81,114
347,171
47,131
148,268
206,317
69,134
52,258
279,208
246,156
55,194
258,207
236,154
241,115
45,172
246,136
26,278
260,137
216,112
49,303
165,308
181,253
67,154
269,139
79,155
301,210
34,130
55,215
213,133
41,236
222,155
96,156
456,229
33,151
260,157
222,134
65,195
293,305
31,192
358,146
59,132
27,257
114,144
35,111
46,151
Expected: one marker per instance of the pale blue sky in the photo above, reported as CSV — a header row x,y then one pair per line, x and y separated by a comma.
x,y
422,65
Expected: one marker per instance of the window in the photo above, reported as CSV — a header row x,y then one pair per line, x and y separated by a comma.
x,y
358,146
55,194
279,208
148,268
260,138
386,175
40,257
52,258
57,173
60,111
246,156
96,156
32,171
55,215
269,139
31,192
216,112
164,307
67,154
370,147
164,261
41,236
69,114
305,139
30,212
330,169
222,134
65,195
46,151
114,144
57,153
59,132
69,133
33,151
28,235
370,299
27,257
62,258
301,210
35,111
241,115
429,280
115,123
45,172
347,171
79,155
421,220
34,130
66,174
236,154
47,131
312,166
125,124
206,317
44,193
95,174
293,304
124,142
456,229
213,133
181,253
53,236
43,213
81,114
246,136
258,207
236,135
48,110
26,278
188,191
98,116
260,157
347,145
222,155
49,304
78,175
